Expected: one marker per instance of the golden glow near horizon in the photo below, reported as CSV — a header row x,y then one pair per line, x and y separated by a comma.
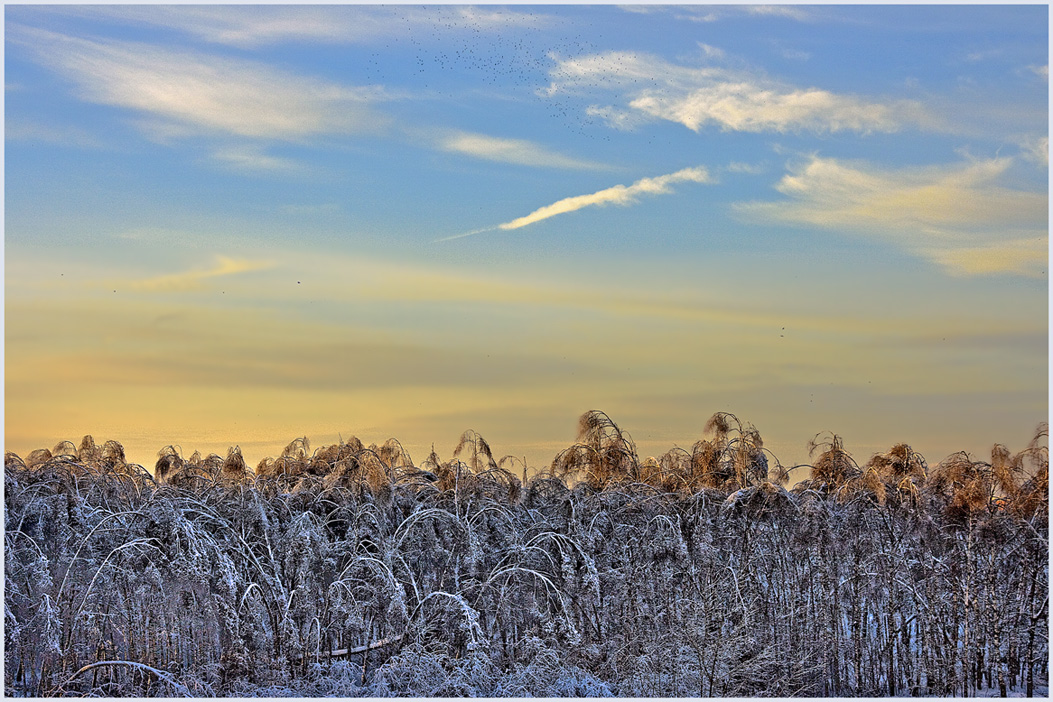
x,y
242,225
447,350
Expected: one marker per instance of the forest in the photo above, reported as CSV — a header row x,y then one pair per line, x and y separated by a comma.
x,y
351,570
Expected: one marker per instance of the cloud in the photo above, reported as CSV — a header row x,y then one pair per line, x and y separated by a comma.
x,y
958,216
517,151
254,159
308,364
1036,149
190,93
1021,255
615,118
796,54
697,15
191,280
711,51
476,18
749,107
787,11
734,100
748,168
42,133
713,13
617,195
618,70
983,55
233,26
262,25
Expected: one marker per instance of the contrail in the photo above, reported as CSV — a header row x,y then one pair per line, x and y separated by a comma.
x,y
617,195
471,233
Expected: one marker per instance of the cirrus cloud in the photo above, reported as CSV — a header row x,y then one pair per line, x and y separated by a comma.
x,y
268,25
516,151
961,217
732,99
253,159
185,93
191,280
749,107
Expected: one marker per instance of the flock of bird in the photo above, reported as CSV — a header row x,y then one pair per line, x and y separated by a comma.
x,y
514,64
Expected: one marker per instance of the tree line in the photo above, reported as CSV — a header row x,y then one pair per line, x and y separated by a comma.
x,y
351,570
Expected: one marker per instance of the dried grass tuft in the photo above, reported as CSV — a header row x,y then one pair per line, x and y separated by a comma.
x,y
733,458
112,453
298,449
88,452
873,484
293,466
353,445
481,457
432,462
1032,497
963,485
12,461
265,468
234,468
1004,465
372,473
169,462
65,448
782,474
902,470
835,466
720,424
591,426
706,468
37,458
394,455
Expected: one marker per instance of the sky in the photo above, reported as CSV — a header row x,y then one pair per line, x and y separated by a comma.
x,y
240,225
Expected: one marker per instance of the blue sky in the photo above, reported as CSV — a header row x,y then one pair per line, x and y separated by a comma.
x,y
239,225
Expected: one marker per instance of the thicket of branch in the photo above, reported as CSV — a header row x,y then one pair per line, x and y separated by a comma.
x,y
350,570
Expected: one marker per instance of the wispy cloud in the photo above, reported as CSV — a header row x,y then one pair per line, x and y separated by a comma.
x,y
749,107
617,195
253,159
713,13
1036,149
276,24
517,151
787,11
747,168
731,99
796,54
1026,256
61,136
961,217
191,280
711,51
616,118
195,93
983,55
